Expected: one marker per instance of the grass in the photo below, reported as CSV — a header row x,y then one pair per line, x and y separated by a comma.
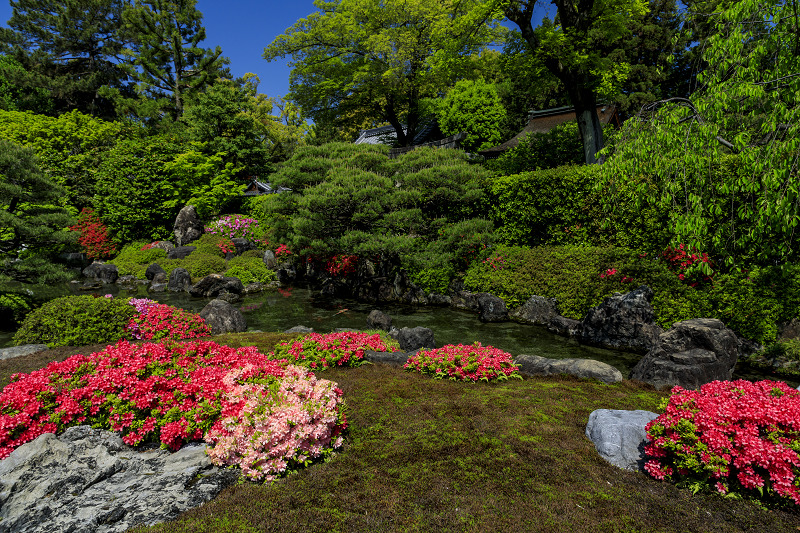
x,y
430,455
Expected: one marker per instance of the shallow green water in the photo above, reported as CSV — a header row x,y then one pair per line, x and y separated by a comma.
x,y
281,309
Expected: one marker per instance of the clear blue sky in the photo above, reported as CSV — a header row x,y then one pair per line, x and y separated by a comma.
x,y
243,28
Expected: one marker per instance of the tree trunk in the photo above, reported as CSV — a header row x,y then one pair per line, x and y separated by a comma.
x,y
585,103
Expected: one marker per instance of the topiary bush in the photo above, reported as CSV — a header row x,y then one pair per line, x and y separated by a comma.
x,y
250,269
213,244
76,321
201,264
464,363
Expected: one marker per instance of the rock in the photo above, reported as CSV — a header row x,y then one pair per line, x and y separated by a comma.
x,y
464,300
622,322
179,280
286,274
390,358
535,365
167,246
103,272
180,252
411,339
537,310
222,317
690,354
619,436
159,282
88,480
491,308
790,330
252,288
435,298
19,351
242,245
213,285
379,320
74,259
229,297
300,329
90,285
564,326
152,270
128,282
188,227
269,259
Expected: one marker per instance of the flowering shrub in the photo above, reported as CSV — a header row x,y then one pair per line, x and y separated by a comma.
x,y
94,235
495,262
467,363
345,348
611,272
282,251
340,265
267,429
691,268
233,226
226,246
730,436
172,393
160,321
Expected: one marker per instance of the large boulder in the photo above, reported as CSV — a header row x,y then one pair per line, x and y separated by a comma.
x,y
222,317
188,227
411,339
179,280
103,272
389,358
491,308
619,436
180,252
153,270
534,365
379,320
622,322
538,311
269,259
561,325
167,246
213,285
692,353
19,351
88,480
242,245
158,283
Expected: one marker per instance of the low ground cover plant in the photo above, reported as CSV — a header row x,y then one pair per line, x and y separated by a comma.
x,y
737,437
472,362
171,393
344,348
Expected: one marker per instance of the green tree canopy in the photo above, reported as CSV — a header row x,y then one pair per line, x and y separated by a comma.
x,y
360,63
475,108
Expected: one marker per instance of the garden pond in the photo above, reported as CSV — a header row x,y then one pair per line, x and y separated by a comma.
x,y
281,309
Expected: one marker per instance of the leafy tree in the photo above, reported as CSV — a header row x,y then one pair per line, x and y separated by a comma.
x,y
723,162
568,48
474,108
166,58
13,97
69,49
559,146
32,224
359,63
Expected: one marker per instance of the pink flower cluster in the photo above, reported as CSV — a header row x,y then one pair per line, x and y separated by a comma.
x,y
233,226
267,430
464,362
282,251
160,321
730,435
495,263
687,265
612,272
345,348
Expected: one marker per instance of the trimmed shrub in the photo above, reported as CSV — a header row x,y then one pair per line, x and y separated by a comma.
x,y
213,244
133,260
250,269
200,264
560,146
464,363
76,321
345,348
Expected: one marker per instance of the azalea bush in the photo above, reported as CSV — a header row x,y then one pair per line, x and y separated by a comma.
x,y
730,437
171,393
234,226
344,348
95,237
156,321
472,362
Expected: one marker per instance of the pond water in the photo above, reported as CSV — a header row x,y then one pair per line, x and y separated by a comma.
x,y
281,309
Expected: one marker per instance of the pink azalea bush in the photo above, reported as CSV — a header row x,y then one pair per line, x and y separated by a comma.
x,y
175,392
233,226
345,348
465,363
160,321
730,436
267,430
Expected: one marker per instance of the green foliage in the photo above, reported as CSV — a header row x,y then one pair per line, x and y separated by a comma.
x,y
14,306
133,261
249,270
473,107
559,146
33,227
76,321
15,98
201,264
209,243
782,357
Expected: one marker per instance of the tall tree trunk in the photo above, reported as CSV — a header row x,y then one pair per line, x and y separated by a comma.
x,y
585,102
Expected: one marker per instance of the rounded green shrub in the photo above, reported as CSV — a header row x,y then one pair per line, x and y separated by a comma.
x,y
132,260
200,264
76,321
258,254
212,244
249,270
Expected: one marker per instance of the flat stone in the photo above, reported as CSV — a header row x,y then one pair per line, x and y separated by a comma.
x,y
535,365
19,351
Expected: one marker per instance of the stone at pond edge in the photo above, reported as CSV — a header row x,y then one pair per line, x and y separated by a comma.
x,y
215,284
153,270
411,339
88,480
622,322
535,365
159,282
692,353
222,317
538,311
104,272
491,308
188,227
619,436
300,329
179,280
377,319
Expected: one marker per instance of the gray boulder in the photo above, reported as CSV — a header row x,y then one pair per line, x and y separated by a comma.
x,y
153,270
537,310
102,272
88,480
411,339
535,365
128,282
461,299
692,353
379,320
213,285
622,322
222,317
491,308
619,436
389,358
167,246
286,274
269,259
242,245
179,280
561,325
180,252
300,329
158,283
188,227
19,351
790,330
